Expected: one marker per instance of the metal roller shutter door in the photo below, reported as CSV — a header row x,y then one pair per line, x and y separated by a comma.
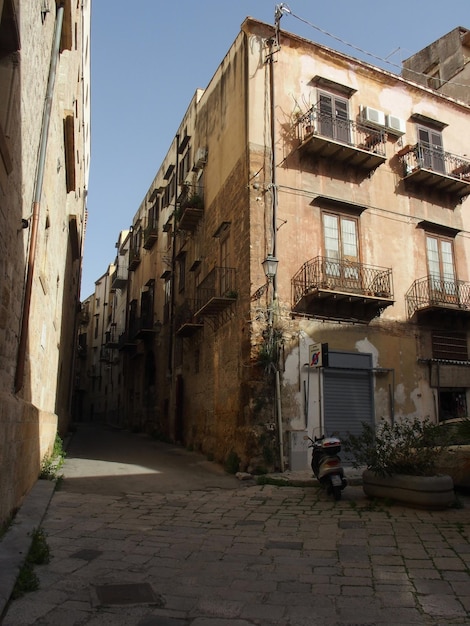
x,y
348,400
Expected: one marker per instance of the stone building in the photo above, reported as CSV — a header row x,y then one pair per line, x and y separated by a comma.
x,y
44,164
444,65
300,261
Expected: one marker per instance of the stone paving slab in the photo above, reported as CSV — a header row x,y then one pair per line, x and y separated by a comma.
x,y
256,555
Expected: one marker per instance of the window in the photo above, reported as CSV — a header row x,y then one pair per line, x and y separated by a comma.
x,y
69,152
431,151
452,404
449,345
225,282
9,31
181,272
341,246
185,165
9,76
333,117
166,305
136,242
433,73
152,217
440,256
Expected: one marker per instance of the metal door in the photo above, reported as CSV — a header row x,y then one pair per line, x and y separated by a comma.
x,y
348,398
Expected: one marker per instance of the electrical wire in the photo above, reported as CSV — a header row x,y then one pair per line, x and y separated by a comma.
x,y
285,9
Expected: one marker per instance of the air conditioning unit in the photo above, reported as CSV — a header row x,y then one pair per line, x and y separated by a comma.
x,y
372,116
395,124
200,159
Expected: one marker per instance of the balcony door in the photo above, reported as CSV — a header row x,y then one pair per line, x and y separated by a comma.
x,y
441,271
341,250
431,149
224,276
333,117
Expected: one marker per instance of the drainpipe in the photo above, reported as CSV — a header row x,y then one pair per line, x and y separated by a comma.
x,y
172,330
46,116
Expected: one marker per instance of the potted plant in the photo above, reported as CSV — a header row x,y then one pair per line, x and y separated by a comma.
x,y
401,461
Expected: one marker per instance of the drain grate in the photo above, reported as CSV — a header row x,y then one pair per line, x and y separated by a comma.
x,y
131,593
86,555
284,545
349,524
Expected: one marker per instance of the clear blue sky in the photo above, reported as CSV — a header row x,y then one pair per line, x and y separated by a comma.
x,y
149,56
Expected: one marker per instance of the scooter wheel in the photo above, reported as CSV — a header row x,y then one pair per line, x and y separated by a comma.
x,y
337,493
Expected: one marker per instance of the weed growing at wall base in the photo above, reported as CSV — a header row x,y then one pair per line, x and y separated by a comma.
x,y
38,554
53,463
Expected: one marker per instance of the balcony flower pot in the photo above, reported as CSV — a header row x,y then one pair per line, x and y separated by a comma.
x,y
401,461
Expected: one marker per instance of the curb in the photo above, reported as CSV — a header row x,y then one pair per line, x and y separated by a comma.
x,y
15,544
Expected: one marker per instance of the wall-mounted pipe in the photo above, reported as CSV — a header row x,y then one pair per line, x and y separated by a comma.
x,y
46,116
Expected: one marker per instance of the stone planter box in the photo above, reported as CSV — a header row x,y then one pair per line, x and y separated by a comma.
x,y
430,492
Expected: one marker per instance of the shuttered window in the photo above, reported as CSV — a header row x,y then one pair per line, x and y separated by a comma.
x,y
449,346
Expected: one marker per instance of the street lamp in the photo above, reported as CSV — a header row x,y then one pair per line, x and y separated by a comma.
x,y
270,270
270,267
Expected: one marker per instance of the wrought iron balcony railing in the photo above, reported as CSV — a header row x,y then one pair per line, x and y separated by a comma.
x,y
341,289
217,291
341,139
120,276
112,337
432,167
134,259
150,236
435,293
190,207
186,321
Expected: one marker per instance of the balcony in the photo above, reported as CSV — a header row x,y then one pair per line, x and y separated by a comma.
x,y
111,338
430,297
145,327
186,322
343,141
119,277
126,341
441,171
341,290
216,292
191,208
150,236
134,260
106,354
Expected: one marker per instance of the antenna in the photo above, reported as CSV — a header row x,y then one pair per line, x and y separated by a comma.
x,y
278,13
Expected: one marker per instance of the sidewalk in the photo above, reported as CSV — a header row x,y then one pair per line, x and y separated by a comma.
x,y
15,544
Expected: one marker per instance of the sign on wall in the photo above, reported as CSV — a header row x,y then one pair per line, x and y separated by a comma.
x,y
318,355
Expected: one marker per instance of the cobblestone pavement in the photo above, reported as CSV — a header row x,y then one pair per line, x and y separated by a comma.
x,y
250,555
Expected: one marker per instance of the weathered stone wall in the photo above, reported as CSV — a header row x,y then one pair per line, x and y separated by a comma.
x,y
30,418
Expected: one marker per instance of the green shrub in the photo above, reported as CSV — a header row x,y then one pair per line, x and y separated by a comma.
x,y
53,463
38,554
405,447
232,463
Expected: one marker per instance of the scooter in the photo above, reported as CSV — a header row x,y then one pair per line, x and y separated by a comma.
x,y
326,464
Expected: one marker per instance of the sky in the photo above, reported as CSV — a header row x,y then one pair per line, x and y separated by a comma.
x,y
148,57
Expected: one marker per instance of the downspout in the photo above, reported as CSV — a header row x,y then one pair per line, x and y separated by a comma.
x,y
171,338
46,116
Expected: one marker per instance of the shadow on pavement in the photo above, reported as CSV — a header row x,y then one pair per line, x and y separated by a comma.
x,y
101,459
